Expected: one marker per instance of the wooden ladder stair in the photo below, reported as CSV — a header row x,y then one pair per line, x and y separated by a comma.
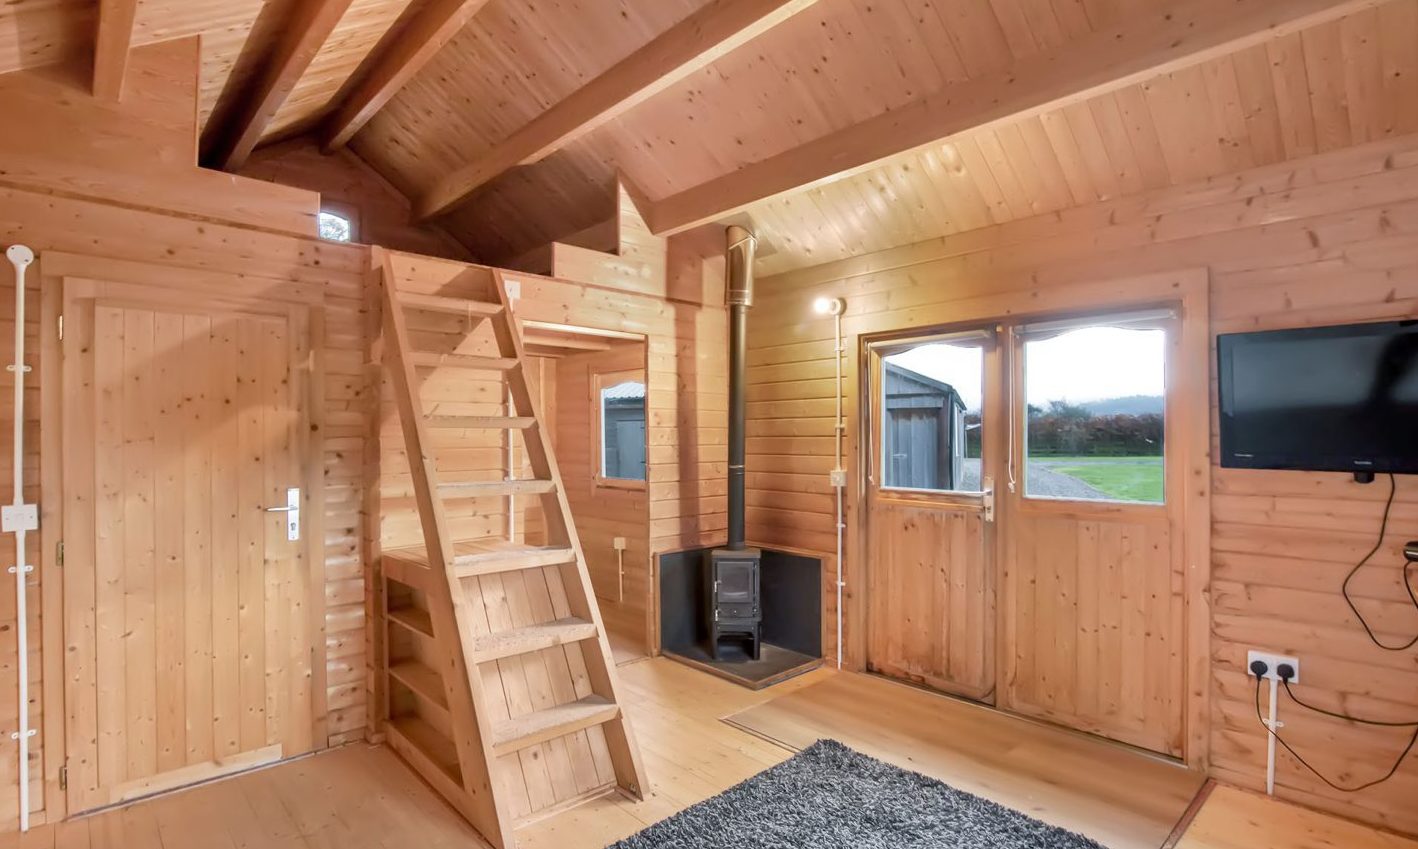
x,y
463,739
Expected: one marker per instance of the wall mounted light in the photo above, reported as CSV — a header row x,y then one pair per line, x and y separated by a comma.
x,y
829,306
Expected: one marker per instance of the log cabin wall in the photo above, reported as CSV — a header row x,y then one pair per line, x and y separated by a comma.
x,y
604,511
1328,239
139,197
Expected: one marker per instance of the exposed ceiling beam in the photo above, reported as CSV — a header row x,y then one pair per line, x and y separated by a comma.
x,y
401,53
112,44
310,25
1160,40
713,31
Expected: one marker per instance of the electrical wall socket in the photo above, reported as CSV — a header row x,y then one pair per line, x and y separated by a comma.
x,y
837,477
618,543
1273,661
19,517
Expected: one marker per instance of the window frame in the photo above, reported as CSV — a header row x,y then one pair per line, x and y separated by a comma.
x,y
600,380
988,338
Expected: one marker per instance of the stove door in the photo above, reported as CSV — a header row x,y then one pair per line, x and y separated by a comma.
x,y
737,582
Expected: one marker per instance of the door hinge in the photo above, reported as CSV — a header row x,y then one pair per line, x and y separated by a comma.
x,y
59,553
64,777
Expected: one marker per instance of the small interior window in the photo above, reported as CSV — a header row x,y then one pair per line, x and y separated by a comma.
x,y
335,227
622,416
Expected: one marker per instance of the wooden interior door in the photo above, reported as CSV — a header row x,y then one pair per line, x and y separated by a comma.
x,y
188,633
1093,597
930,570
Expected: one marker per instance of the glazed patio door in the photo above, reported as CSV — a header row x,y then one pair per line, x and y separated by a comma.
x,y
930,510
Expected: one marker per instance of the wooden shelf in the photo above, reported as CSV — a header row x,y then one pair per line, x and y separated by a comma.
x,y
423,681
415,619
425,745
489,647
513,735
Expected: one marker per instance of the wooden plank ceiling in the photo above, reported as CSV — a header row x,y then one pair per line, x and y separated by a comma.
x,y
682,95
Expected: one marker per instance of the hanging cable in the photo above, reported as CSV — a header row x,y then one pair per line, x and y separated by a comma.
x,y
1412,741
1407,583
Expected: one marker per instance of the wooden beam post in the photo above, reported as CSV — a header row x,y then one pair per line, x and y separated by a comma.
x,y
112,44
401,53
694,43
310,25
1160,40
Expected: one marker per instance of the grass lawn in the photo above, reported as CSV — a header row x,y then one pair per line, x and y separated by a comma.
x,y
1126,478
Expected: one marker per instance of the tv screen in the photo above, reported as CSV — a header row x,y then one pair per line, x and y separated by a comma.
x,y
1337,399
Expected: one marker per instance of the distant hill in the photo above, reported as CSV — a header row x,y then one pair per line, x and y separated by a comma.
x,y
1131,405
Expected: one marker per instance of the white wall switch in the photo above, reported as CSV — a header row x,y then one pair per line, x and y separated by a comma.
x,y
618,543
1273,661
19,517
837,477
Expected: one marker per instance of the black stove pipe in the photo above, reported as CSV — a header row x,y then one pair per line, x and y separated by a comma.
x,y
738,283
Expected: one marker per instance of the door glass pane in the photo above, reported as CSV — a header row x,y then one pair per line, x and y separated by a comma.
x,y
930,416
1095,403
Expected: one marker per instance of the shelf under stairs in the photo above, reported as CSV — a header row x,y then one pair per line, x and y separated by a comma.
x,y
499,681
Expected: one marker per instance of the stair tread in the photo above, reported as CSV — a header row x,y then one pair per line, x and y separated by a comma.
x,y
490,555
422,679
430,359
474,489
531,638
413,618
441,303
517,733
483,422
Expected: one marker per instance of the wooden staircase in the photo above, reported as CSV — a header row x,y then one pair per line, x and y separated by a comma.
x,y
500,687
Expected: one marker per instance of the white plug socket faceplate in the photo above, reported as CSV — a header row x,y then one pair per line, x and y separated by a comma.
x,y
19,517
1273,661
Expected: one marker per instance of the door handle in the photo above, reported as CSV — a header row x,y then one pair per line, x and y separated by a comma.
x,y
292,510
989,499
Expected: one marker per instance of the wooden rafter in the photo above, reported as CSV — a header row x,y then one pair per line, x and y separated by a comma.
x,y
401,53
710,33
112,44
310,25
1161,40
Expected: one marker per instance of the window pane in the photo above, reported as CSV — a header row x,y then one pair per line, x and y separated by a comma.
x,y
334,227
930,427
623,431
1095,414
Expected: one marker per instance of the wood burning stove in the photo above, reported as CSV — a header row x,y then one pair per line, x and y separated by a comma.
x,y
735,604
735,608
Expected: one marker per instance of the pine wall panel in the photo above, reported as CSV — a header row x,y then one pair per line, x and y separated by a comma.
x,y
1326,239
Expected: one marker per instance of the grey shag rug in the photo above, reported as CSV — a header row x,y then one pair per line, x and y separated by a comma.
x,y
831,797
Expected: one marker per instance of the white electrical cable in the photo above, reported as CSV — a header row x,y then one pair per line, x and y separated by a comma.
x,y
21,257
838,427
1274,725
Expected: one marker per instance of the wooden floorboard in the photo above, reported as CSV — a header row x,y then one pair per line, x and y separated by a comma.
x,y
1120,797
363,797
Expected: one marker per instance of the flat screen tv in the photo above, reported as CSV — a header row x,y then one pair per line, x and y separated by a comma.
x,y
1330,399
